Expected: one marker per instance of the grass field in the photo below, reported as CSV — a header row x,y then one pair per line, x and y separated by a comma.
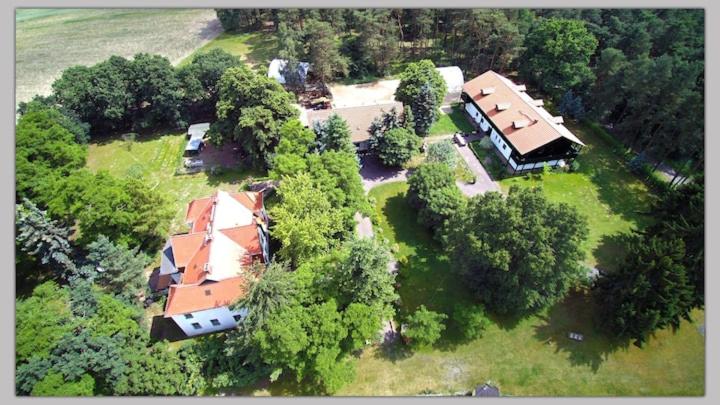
x,y
529,357
155,158
256,48
451,123
603,189
47,41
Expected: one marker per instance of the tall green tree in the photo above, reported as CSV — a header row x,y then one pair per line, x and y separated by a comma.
x,y
414,77
323,51
649,291
43,238
251,109
489,41
396,146
45,151
557,56
304,221
199,80
425,110
333,134
519,254
424,327
119,270
433,192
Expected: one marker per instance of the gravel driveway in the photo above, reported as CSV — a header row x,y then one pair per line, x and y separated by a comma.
x,y
483,181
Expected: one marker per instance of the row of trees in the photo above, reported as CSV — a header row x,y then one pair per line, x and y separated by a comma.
x,y
628,68
143,92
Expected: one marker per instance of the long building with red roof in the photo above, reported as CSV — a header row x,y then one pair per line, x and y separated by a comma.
x,y
208,269
525,134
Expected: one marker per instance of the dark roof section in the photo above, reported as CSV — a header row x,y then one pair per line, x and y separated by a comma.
x,y
486,390
167,261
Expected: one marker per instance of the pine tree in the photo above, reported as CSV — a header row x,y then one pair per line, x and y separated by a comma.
x,y
425,110
42,237
650,291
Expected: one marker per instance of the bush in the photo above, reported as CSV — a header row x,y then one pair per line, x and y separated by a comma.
x,y
486,143
574,166
471,320
424,327
443,152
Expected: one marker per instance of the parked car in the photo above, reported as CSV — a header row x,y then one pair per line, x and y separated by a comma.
x,y
193,163
460,140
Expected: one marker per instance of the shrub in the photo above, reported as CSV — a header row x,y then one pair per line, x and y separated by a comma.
x,y
443,152
574,166
424,327
471,320
486,143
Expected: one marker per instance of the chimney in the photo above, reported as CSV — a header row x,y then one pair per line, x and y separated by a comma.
x,y
487,90
502,106
520,124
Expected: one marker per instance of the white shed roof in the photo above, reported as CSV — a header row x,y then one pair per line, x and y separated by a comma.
x,y
277,65
197,131
453,77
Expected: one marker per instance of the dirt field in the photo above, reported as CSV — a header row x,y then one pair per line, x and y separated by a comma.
x,y
379,92
50,40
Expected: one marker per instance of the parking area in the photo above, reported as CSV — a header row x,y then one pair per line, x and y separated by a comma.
x,y
378,92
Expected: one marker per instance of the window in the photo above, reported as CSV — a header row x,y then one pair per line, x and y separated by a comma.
x,y
196,325
215,322
188,316
237,318
504,146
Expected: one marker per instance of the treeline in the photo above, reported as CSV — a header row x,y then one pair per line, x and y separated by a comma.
x,y
639,71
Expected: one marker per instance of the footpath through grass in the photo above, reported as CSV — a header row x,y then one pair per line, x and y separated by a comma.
x,y
529,357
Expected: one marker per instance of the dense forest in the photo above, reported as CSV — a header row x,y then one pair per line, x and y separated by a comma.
x,y
84,239
628,69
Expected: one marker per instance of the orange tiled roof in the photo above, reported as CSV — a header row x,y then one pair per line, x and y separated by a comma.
x,y
253,201
538,131
185,246
183,299
247,237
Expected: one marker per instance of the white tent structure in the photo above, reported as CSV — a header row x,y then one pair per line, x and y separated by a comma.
x,y
454,80
275,70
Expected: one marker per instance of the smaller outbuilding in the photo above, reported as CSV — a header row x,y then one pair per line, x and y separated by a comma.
x,y
196,138
486,390
454,80
276,70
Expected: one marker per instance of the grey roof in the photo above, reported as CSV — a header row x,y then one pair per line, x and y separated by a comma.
x,y
167,260
486,390
358,118
193,144
197,131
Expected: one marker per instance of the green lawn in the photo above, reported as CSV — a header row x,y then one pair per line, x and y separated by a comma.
x,y
604,190
256,48
155,158
530,357
451,123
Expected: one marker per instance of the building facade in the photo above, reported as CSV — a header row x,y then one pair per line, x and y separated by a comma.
x,y
208,269
525,135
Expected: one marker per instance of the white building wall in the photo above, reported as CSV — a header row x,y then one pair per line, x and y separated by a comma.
x,y
473,111
500,144
204,318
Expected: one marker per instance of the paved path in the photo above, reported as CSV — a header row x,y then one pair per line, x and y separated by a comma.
x,y
373,173
483,181
364,226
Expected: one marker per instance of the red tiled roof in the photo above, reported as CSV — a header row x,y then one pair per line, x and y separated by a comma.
x,y
185,246
183,299
247,237
536,133
252,200
195,271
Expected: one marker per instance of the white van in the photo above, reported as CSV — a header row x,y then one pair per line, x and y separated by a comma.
x,y
460,140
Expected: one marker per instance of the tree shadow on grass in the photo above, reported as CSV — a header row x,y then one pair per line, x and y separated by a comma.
x,y
147,135
577,314
263,47
617,187
611,250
